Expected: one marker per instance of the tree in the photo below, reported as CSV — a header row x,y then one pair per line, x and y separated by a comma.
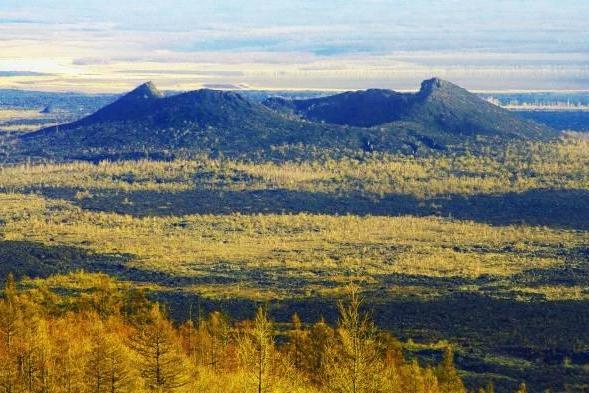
x,y
10,324
296,345
217,329
314,345
121,376
8,372
206,344
522,388
34,356
96,367
189,337
394,372
109,368
257,351
161,364
9,312
447,374
353,363
71,350
105,299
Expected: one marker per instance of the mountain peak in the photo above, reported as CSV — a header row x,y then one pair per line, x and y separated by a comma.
x,y
430,85
145,91
134,105
439,106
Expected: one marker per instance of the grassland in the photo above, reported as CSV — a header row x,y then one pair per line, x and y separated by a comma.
x,y
16,120
490,252
302,254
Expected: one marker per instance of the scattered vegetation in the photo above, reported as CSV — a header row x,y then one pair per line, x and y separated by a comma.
x,y
285,255
501,272
519,168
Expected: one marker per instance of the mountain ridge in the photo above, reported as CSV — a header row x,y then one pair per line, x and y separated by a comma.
x,y
438,104
437,117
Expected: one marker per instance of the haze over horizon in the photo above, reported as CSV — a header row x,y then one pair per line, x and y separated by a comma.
x,y
111,46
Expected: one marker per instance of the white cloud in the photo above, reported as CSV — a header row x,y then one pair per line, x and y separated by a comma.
x,y
330,43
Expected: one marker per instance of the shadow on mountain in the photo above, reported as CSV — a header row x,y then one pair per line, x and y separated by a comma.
x,y
554,208
34,259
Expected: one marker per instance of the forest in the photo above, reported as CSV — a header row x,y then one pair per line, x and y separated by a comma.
x,y
95,334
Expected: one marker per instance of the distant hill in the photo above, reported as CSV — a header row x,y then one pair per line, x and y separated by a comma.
x,y
47,110
561,120
440,117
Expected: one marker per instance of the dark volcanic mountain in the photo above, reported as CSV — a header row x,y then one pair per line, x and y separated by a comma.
x,y
202,121
440,116
439,105
133,105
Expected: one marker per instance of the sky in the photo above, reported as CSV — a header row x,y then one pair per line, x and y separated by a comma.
x,y
112,45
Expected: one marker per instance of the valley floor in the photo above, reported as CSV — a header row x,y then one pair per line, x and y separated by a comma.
x,y
490,253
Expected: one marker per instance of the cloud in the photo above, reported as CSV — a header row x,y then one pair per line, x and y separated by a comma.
x,y
302,43
11,74
86,61
13,21
213,73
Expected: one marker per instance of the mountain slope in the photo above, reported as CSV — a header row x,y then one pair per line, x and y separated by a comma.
x,y
133,105
439,105
202,120
441,116
355,108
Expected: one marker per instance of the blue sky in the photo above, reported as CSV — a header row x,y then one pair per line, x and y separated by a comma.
x,y
484,44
